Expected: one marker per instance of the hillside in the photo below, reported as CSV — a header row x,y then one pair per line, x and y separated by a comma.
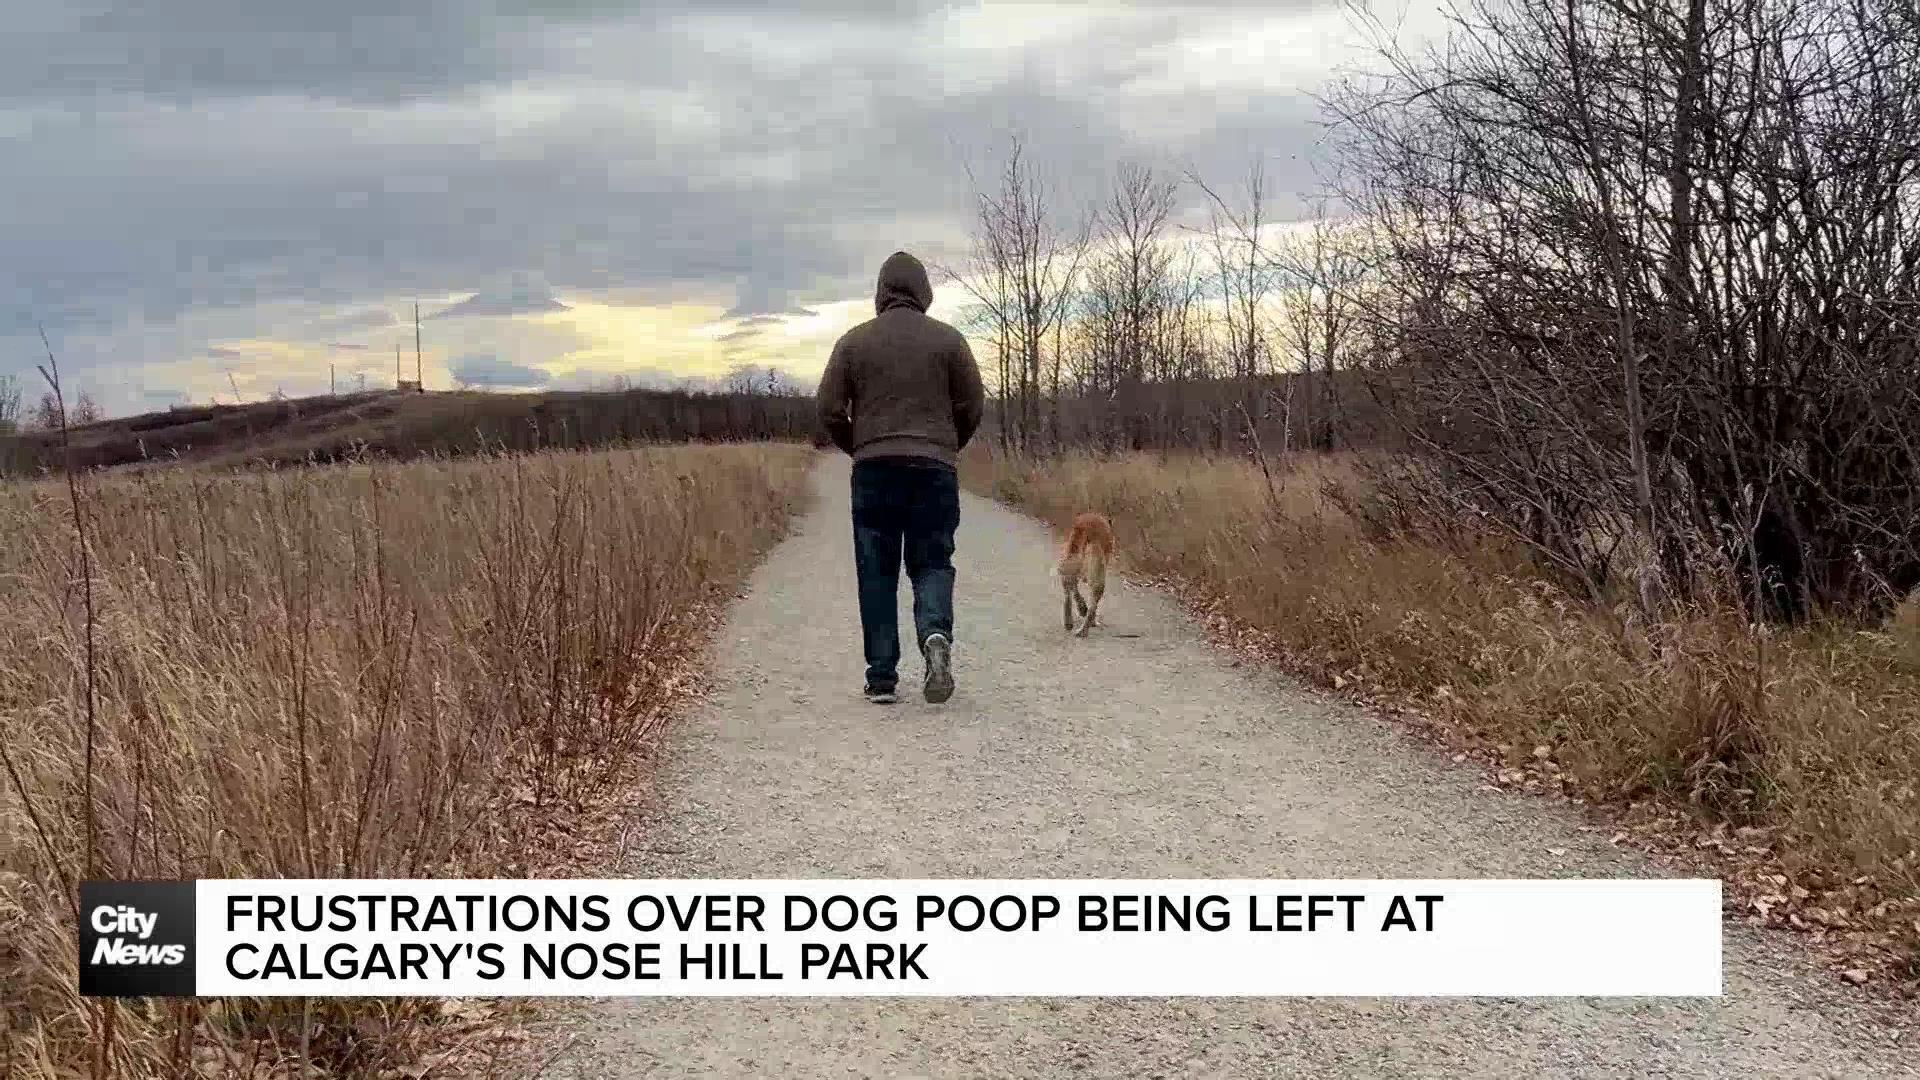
x,y
401,424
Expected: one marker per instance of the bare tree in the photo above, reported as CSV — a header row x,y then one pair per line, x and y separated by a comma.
x,y
744,379
1020,272
1243,268
48,415
1319,321
1651,281
1243,276
86,409
1129,299
11,400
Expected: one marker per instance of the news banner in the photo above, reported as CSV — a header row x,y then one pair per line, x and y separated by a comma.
x,y
931,938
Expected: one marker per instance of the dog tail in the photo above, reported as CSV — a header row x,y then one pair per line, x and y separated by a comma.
x,y
1096,564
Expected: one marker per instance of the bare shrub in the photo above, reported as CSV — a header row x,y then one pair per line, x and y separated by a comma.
x,y
1646,279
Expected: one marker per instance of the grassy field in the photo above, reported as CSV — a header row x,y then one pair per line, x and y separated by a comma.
x,y
1804,744
364,670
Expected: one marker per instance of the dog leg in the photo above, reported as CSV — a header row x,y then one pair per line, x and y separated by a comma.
x,y
1068,594
1098,585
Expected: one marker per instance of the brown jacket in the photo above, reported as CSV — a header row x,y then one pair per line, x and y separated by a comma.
x,y
902,384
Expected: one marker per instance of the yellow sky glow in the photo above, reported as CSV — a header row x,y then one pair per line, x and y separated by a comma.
x,y
588,343
692,339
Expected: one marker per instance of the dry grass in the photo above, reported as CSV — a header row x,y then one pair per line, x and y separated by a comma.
x,y
364,670
1807,743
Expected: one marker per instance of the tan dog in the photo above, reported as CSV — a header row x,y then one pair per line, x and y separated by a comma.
x,y
1089,547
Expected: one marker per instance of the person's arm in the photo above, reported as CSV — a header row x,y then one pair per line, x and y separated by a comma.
x,y
835,399
969,394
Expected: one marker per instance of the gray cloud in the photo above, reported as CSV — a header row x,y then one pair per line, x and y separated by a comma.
x,y
208,156
520,294
187,50
353,321
370,52
483,370
160,399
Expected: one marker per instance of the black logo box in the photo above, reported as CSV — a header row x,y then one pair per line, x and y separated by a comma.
x,y
104,903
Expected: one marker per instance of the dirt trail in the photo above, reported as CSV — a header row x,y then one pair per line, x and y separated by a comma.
x,y
1117,757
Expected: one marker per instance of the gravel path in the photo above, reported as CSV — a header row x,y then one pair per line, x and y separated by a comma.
x,y
1118,757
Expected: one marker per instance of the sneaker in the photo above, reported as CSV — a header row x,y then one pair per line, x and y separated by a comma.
x,y
881,697
939,668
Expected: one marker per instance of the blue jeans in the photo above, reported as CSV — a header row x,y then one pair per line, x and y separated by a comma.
x,y
903,508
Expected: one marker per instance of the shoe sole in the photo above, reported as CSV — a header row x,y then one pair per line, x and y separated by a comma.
x,y
883,699
939,685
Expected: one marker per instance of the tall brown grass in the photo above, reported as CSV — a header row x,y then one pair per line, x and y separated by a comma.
x,y
372,669
1811,735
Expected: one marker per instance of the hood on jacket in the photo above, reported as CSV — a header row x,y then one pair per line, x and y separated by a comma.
x,y
902,281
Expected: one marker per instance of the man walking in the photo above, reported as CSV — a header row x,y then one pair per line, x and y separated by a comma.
x,y
902,394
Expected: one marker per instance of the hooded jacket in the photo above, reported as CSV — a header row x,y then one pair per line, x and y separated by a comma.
x,y
902,384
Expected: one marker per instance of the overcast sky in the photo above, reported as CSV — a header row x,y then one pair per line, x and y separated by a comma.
x,y
258,188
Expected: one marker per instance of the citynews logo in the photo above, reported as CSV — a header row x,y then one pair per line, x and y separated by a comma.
x,y
136,938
